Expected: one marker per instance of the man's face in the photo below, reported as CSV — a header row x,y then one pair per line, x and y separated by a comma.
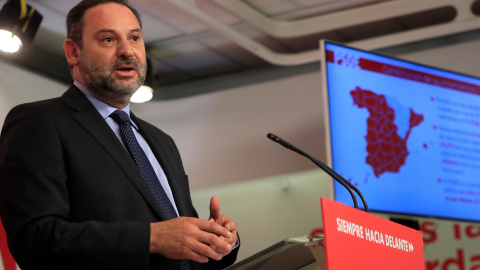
x,y
112,61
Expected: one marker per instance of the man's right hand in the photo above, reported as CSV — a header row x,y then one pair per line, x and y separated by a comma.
x,y
189,238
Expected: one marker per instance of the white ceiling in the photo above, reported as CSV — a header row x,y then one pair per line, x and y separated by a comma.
x,y
188,40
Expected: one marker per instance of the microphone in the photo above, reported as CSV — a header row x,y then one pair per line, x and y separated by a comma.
x,y
337,177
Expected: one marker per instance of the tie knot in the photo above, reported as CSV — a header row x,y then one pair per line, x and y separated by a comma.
x,y
120,117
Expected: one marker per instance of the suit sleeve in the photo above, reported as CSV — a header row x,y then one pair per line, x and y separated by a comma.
x,y
34,206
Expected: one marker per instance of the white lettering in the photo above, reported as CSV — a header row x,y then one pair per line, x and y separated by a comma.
x,y
360,232
349,228
397,243
374,236
380,237
388,240
339,224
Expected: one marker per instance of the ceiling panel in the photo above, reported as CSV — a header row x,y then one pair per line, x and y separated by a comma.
x,y
166,74
371,29
309,3
298,9
185,48
231,50
217,12
154,28
165,12
273,7
61,6
195,59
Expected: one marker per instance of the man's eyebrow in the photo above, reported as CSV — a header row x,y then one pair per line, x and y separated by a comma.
x,y
113,31
101,31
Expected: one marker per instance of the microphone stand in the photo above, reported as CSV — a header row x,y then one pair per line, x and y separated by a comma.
x,y
337,177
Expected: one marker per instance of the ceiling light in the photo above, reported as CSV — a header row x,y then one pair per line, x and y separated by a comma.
x,y
9,42
143,94
19,23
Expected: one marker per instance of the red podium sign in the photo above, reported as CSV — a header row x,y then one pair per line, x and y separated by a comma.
x,y
355,239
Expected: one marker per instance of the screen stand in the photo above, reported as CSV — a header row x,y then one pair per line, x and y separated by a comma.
x,y
411,223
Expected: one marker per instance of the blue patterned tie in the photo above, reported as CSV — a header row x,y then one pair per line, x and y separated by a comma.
x,y
146,169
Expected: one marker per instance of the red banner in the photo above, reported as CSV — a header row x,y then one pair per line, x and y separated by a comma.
x,y
405,73
8,261
355,239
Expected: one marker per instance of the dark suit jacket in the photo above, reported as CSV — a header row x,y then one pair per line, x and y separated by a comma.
x,y
71,197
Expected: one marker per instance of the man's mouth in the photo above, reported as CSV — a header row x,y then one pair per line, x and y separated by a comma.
x,y
126,70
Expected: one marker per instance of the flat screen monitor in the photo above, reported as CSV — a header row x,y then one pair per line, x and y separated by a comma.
x,y
406,135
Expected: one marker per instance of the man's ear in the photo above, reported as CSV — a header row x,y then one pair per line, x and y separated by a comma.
x,y
72,52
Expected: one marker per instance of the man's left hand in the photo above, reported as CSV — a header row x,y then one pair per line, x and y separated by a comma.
x,y
224,221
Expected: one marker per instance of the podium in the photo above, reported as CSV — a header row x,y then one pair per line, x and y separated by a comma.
x,y
305,253
353,239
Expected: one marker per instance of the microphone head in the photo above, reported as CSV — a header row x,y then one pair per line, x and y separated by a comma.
x,y
278,140
272,137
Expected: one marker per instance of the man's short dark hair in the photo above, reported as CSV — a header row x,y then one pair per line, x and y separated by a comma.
x,y
76,14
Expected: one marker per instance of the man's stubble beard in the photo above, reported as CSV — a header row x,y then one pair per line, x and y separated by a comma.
x,y
100,81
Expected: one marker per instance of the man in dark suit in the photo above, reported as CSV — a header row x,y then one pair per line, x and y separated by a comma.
x,y
72,196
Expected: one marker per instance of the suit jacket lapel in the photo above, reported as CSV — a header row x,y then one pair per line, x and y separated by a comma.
x,y
92,121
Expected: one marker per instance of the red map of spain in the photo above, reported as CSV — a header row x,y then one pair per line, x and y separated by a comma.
x,y
387,151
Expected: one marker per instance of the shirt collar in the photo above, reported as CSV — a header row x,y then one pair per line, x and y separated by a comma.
x,y
103,108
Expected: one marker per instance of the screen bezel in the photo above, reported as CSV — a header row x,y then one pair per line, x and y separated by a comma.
x,y
327,127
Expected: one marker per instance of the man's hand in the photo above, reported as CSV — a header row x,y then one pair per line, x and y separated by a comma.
x,y
223,221
190,238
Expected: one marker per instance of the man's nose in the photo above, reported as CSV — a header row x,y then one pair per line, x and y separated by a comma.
x,y
125,49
